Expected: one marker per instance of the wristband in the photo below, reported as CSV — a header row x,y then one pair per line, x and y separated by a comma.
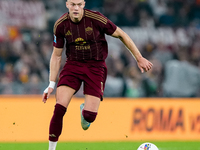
x,y
52,84
46,90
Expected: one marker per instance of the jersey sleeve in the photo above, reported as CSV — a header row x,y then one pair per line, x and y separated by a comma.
x,y
109,27
58,38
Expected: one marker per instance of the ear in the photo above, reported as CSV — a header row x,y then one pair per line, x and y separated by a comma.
x,y
67,4
84,4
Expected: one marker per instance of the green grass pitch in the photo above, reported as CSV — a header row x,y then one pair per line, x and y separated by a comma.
x,y
170,145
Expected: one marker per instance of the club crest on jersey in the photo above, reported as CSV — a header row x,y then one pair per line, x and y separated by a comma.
x,y
89,30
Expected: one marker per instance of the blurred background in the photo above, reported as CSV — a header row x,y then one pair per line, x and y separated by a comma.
x,y
167,32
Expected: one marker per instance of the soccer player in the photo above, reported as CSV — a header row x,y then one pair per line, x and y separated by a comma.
x,y
83,33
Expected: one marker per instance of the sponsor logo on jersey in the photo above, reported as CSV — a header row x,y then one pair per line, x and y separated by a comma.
x,y
80,44
68,33
80,41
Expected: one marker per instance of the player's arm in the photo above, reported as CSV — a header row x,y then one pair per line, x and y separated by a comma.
x,y
143,63
55,62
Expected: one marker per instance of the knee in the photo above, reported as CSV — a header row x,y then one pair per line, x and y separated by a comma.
x,y
89,116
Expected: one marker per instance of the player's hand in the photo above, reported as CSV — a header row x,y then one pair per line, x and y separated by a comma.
x,y
46,94
48,91
144,64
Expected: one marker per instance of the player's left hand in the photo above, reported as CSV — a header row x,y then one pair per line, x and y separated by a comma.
x,y
144,64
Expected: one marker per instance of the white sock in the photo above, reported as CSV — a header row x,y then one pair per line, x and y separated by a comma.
x,y
52,145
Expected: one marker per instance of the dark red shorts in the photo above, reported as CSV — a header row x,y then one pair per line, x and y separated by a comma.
x,y
92,73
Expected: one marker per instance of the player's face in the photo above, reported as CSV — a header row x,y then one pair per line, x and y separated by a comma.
x,y
75,9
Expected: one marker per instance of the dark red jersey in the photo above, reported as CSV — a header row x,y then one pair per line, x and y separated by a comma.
x,y
85,40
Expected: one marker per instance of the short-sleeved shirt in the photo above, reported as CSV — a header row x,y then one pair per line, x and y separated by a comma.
x,y
84,40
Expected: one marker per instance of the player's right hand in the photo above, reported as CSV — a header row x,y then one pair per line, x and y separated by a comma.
x,y
46,94
48,91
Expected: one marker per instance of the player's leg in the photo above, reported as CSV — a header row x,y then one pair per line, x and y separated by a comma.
x,y
69,82
64,95
94,84
92,103
89,110
63,98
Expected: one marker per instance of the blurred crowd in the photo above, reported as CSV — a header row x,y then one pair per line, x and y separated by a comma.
x,y
152,13
24,61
